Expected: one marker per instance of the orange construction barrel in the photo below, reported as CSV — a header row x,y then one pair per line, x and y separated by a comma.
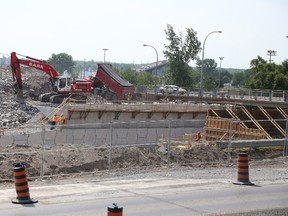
x,y
21,184
243,170
115,211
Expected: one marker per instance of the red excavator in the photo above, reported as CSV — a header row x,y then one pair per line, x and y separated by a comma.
x,y
63,86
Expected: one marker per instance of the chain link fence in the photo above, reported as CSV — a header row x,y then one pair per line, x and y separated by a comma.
x,y
123,145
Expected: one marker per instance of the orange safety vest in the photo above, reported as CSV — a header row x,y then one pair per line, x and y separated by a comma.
x,y
56,118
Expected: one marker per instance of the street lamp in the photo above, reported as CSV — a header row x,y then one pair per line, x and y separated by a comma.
x,y
221,58
201,76
156,56
104,49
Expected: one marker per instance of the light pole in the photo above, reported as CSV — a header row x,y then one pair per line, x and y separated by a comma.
x,y
201,75
156,57
271,53
221,58
104,49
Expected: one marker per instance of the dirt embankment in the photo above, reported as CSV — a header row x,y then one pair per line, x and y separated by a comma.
x,y
72,158
65,159
14,112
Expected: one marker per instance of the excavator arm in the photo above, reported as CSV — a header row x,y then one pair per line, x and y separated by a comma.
x,y
30,62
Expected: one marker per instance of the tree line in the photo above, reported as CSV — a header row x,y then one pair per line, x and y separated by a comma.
x,y
180,50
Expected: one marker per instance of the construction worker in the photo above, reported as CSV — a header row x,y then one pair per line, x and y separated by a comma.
x,y
62,119
198,136
55,119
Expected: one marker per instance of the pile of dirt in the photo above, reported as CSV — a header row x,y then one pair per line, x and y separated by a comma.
x,y
70,159
15,112
73,158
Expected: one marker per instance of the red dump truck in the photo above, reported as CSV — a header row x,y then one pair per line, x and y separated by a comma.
x,y
108,84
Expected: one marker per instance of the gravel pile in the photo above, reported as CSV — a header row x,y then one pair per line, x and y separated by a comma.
x,y
13,112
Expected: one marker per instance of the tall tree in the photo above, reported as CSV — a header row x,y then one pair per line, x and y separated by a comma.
x,y
268,75
225,77
61,62
129,75
210,73
180,51
239,79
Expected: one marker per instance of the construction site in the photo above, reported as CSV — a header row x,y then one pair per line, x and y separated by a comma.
x,y
117,132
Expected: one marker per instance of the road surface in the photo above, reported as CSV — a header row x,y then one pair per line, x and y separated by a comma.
x,y
150,196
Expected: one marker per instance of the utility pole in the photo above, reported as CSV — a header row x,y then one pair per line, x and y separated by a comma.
x,y
221,58
84,69
271,53
104,49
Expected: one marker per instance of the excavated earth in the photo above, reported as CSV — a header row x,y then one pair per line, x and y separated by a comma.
x,y
61,160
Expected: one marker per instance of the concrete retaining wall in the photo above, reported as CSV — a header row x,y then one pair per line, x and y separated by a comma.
x,y
125,133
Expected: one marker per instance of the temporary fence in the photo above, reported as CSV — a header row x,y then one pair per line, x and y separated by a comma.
x,y
90,147
93,147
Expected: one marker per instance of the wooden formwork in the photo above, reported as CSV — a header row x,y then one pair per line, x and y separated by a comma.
x,y
217,128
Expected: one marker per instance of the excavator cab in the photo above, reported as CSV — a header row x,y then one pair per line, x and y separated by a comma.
x,y
62,84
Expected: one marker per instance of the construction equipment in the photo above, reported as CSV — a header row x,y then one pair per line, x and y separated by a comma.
x,y
62,86
108,84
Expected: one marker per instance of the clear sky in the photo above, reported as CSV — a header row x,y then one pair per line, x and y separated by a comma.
x,y
82,28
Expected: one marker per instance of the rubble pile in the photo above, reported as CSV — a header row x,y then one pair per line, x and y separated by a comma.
x,y
14,113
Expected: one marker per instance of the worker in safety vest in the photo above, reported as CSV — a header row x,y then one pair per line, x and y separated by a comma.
x,y
62,119
55,119
198,136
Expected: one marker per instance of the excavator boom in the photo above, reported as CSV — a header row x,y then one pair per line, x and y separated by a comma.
x,y
30,62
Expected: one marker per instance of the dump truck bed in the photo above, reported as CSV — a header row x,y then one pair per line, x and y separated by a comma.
x,y
108,76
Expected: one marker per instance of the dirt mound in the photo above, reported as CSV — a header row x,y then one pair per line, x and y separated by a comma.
x,y
67,159
35,83
15,113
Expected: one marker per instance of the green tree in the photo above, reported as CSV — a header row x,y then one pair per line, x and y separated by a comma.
x,y
280,82
210,73
129,75
195,77
268,75
138,79
61,62
239,79
225,77
180,51
147,79
284,67
259,70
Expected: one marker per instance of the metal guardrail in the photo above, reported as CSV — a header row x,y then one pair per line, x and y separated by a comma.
x,y
238,94
252,143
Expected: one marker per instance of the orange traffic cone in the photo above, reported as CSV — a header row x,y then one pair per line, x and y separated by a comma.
x,y
22,189
243,170
115,211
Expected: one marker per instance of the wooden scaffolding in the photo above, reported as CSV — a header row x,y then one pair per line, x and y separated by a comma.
x,y
217,128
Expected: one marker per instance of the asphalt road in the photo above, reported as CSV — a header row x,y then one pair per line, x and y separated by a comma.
x,y
154,196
